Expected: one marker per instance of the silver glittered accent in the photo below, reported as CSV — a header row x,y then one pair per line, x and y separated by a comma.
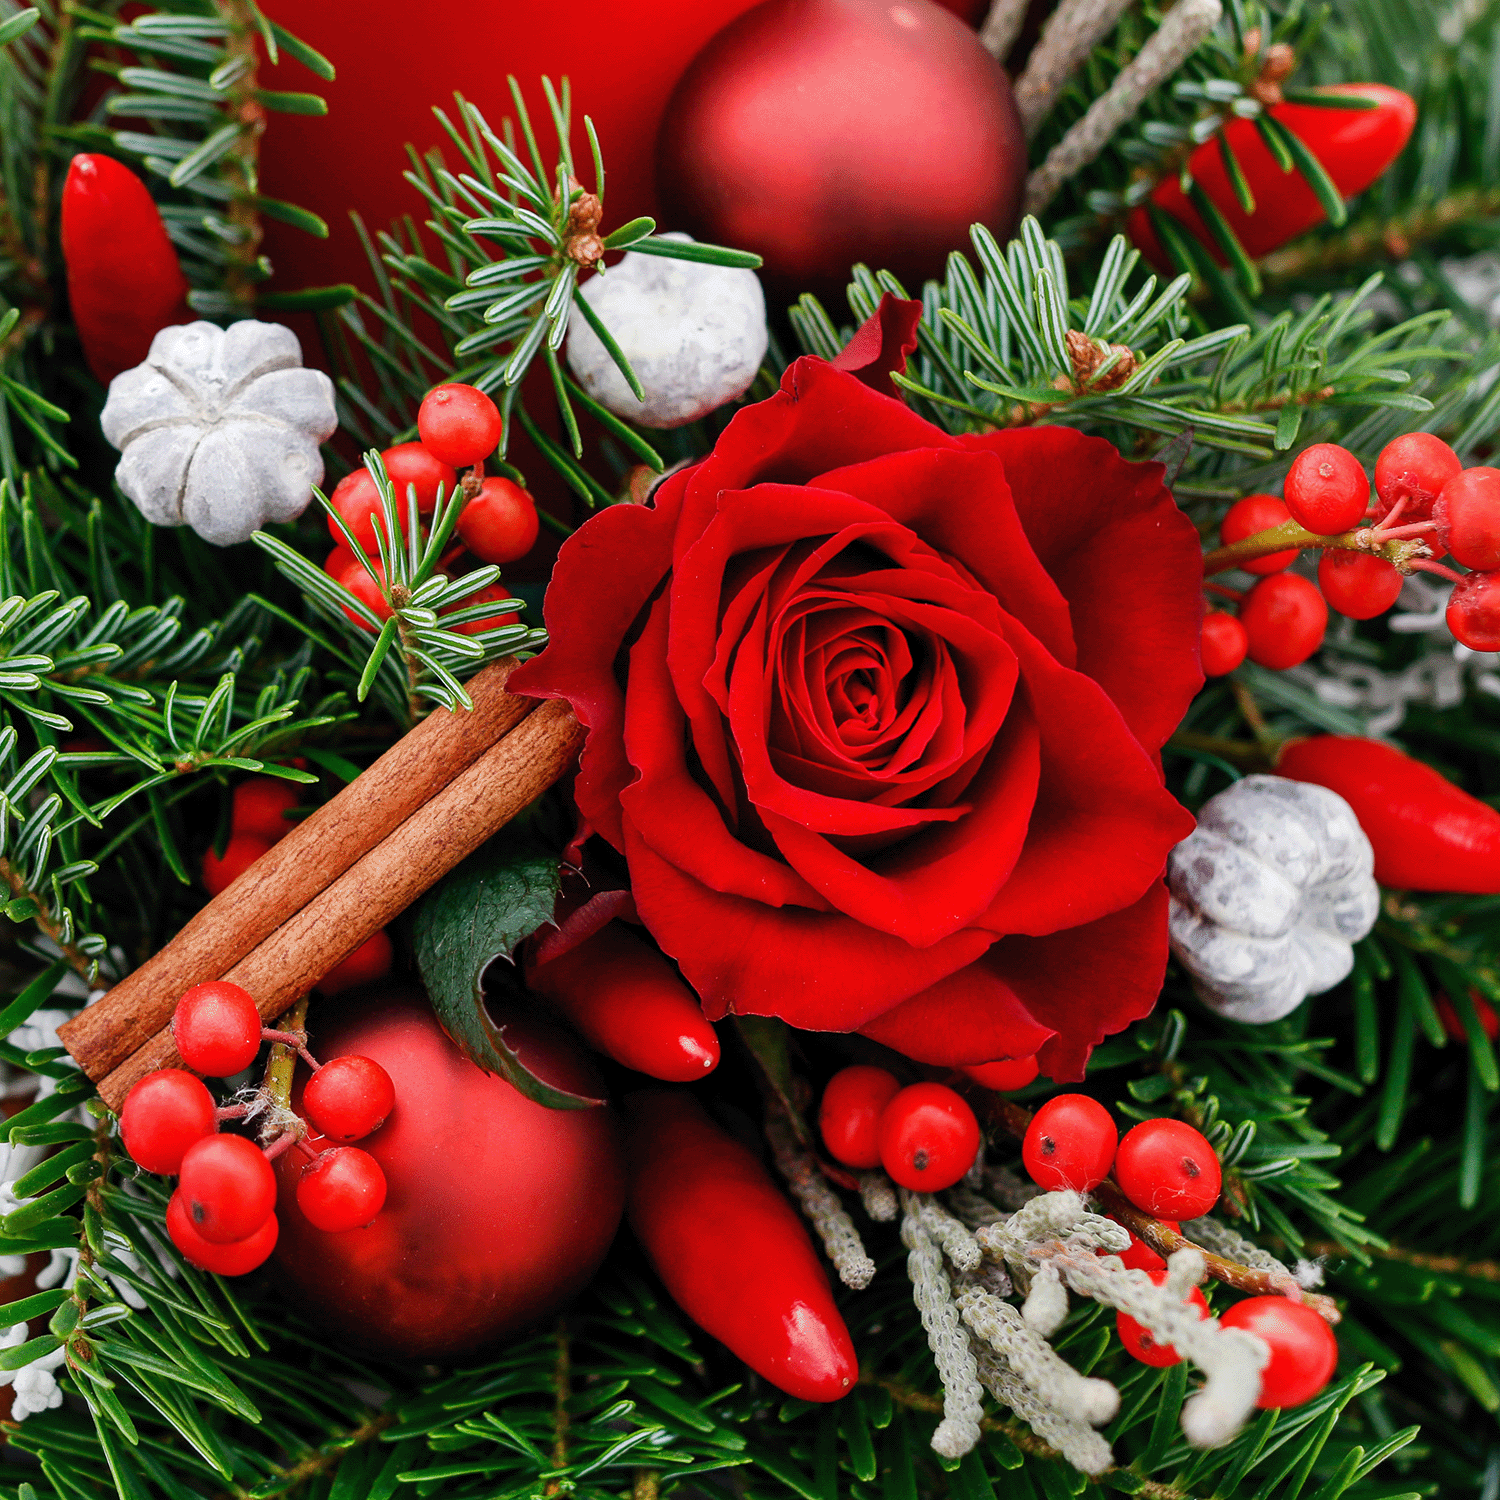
x,y
821,1205
878,1194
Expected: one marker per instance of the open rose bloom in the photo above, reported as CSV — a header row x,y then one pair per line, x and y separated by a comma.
x,y
874,715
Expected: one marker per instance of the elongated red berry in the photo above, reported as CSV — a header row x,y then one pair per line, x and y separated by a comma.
x,y
261,805
217,1028
1070,1143
341,1189
370,961
1468,518
242,850
227,1187
1168,1170
459,425
234,1259
928,1137
1247,517
1474,611
162,1116
1326,489
1413,467
349,1097
1225,642
849,1116
414,464
1304,1351
1357,584
1141,1344
500,523
1004,1077
1285,618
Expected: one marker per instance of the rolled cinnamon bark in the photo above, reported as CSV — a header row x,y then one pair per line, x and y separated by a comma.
x,y
387,879
309,859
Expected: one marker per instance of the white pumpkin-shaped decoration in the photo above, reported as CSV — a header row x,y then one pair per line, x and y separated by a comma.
x,y
1268,896
219,429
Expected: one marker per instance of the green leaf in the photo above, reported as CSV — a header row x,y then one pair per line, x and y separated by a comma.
x,y
18,25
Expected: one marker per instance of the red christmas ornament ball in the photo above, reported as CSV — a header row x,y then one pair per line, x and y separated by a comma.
x,y
819,133
497,1210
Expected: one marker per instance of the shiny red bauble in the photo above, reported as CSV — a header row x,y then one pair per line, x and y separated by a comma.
x,y
217,1028
1473,613
370,961
163,1115
1070,1143
497,1209
1285,618
1256,513
1357,584
928,1137
1411,472
1168,1169
242,850
819,133
227,1187
849,1116
234,1259
1468,518
1141,1344
500,523
349,1097
1303,1348
1224,643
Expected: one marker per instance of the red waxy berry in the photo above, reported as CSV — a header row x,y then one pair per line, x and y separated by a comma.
x,y
1468,518
261,805
242,850
1414,468
1303,1348
1224,643
928,1137
217,1028
1168,1169
162,1116
415,464
1141,1344
1247,517
1284,618
1454,1026
341,1189
1070,1143
1326,489
369,962
233,1259
337,560
500,523
849,1116
1357,584
459,425
349,1097
1004,1077
1474,611
228,1187
356,497
492,593
1140,1256
369,591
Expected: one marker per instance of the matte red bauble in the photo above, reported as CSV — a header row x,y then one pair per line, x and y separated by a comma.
x,y
497,1210
818,133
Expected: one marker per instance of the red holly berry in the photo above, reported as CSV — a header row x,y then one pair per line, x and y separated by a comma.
x,y
1357,584
1165,1167
1413,467
261,805
1303,1348
337,560
356,498
342,1189
162,1116
217,1028
1284,618
1004,1077
1448,1015
459,424
928,1137
849,1116
1140,1256
369,962
1326,489
1141,1344
369,591
491,594
242,850
232,1259
415,464
227,1187
1474,611
348,1098
1468,518
500,523
1070,1143
1224,643
1256,513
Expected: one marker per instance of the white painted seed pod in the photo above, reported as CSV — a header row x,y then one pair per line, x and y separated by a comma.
x,y
219,429
694,335
1268,896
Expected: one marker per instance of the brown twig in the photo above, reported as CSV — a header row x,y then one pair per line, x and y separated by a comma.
x,y
241,165
280,1068
562,1390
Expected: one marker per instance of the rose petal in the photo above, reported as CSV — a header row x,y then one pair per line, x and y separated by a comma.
x,y
881,344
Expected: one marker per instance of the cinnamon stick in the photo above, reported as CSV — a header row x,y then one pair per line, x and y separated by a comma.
x,y
298,867
388,878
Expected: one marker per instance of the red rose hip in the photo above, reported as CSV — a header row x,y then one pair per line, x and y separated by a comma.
x,y
1474,611
1225,642
1357,584
928,1137
1326,489
217,1028
1468,518
500,523
1003,1077
349,1097
1304,1351
1168,1170
162,1116
1413,469
1140,1342
459,425
1070,1143
227,1187
1247,517
234,1259
342,1189
1285,618
849,1116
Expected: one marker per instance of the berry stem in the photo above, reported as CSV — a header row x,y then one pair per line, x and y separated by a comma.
x,y
296,1039
231,1112
277,1083
1224,591
1398,547
1419,565
281,1143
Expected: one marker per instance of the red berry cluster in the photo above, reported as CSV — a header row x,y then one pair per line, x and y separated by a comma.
x,y
222,1215
924,1135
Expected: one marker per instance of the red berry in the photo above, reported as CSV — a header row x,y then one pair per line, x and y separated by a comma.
x,y
1256,513
349,1097
1070,1143
1284,618
1004,1077
459,424
1224,643
217,1028
261,805
1303,1348
369,591
370,961
849,1116
341,1189
1166,1168
1414,468
1140,1256
1326,489
1357,584
162,1116
337,560
1448,1015
415,464
491,594
1141,1344
928,1137
1468,518
233,1259
1474,611
500,523
242,850
356,498
227,1186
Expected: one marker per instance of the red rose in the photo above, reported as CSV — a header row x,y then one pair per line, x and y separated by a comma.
x,y
874,713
